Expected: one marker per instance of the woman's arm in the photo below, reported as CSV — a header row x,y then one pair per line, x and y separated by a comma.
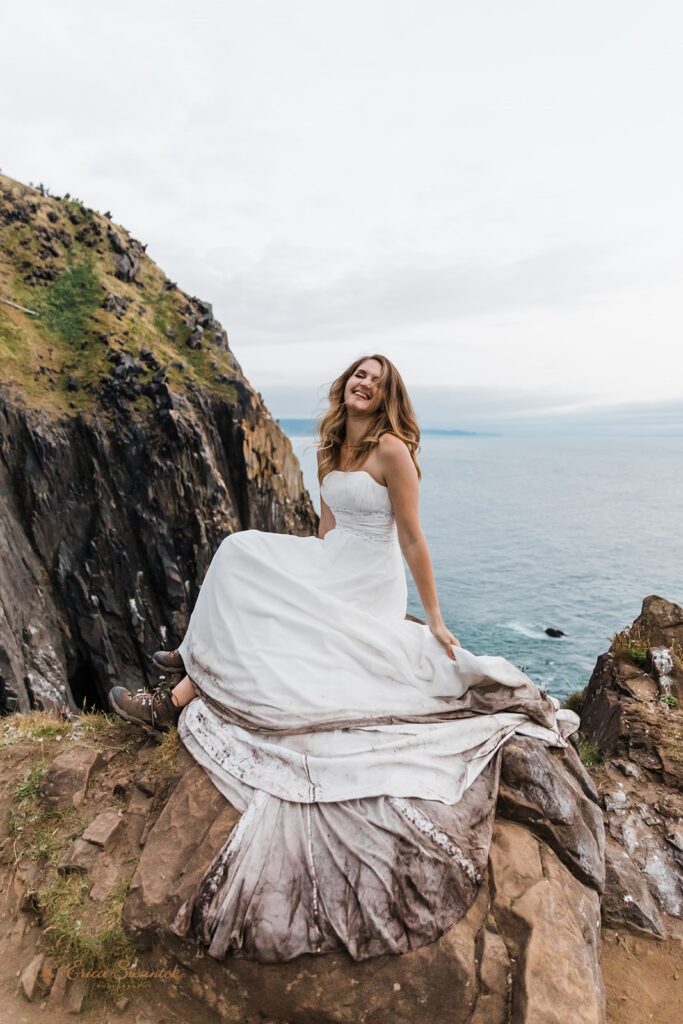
x,y
404,490
327,520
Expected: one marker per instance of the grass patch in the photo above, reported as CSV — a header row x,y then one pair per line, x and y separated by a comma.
x,y
575,701
165,314
668,700
18,241
73,336
588,752
163,761
45,726
89,938
38,830
80,933
41,832
29,788
32,726
674,753
67,304
634,641
103,726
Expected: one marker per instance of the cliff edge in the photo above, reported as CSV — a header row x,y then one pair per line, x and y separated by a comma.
x,y
131,443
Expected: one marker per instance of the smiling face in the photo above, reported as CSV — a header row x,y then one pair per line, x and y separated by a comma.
x,y
362,393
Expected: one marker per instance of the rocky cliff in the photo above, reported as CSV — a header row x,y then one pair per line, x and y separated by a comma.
x,y
130,444
633,718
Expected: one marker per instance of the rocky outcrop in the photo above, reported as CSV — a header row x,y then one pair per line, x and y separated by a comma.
x,y
107,532
632,714
526,951
130,445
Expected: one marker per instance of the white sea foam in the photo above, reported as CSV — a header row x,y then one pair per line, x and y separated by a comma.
x,y
533,632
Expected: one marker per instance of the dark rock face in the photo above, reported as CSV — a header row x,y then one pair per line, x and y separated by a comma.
x,y
109,523
633,715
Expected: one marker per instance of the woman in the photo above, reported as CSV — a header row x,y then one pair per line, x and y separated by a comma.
x,y
356,736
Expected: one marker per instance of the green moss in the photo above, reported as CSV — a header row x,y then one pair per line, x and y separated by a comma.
x,y
668,700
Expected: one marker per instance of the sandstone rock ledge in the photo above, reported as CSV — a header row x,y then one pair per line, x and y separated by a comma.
x,y
527,951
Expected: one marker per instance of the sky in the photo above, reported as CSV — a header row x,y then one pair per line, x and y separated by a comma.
x,y
490,194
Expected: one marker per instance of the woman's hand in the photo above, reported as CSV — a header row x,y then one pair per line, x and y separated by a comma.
x,y
445,637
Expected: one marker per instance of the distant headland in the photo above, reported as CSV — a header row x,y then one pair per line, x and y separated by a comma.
x,y
306,428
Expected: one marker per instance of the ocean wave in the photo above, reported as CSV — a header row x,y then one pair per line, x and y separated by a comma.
x,y
532,632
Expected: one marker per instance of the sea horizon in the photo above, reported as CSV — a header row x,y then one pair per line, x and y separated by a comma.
x,y
529,533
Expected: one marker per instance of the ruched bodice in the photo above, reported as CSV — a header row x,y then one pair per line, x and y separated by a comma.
x,y
360,505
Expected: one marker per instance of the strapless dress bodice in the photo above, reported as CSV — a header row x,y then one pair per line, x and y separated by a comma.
x,y
361,506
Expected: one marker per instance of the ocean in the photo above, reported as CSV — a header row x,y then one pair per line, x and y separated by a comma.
x,y
533,532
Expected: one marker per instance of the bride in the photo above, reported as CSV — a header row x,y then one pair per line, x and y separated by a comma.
x,y
361,747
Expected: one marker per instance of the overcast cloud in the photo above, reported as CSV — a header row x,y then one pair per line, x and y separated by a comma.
x,y
488,193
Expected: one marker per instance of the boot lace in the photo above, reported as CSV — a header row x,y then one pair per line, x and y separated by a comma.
x,y
146,695
154,698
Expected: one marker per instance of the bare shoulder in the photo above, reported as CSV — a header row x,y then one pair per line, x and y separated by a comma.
x,y
395,457
392,448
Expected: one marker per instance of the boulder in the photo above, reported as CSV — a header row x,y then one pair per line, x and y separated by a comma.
x,y
36,978
633,716
66,781
550,792
551,923
508,959
80,857
103,828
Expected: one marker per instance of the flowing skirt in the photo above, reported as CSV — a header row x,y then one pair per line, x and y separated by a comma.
x,y
344,729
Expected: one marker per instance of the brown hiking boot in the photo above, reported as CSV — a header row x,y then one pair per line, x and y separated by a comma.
x,y
152,710
169,661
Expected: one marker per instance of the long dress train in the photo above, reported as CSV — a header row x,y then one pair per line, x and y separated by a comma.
x,y
365,761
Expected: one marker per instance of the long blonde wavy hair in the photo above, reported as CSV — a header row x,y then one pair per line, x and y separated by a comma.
x,y
394,416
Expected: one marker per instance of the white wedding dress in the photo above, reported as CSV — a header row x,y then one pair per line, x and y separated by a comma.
x,y
343,729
